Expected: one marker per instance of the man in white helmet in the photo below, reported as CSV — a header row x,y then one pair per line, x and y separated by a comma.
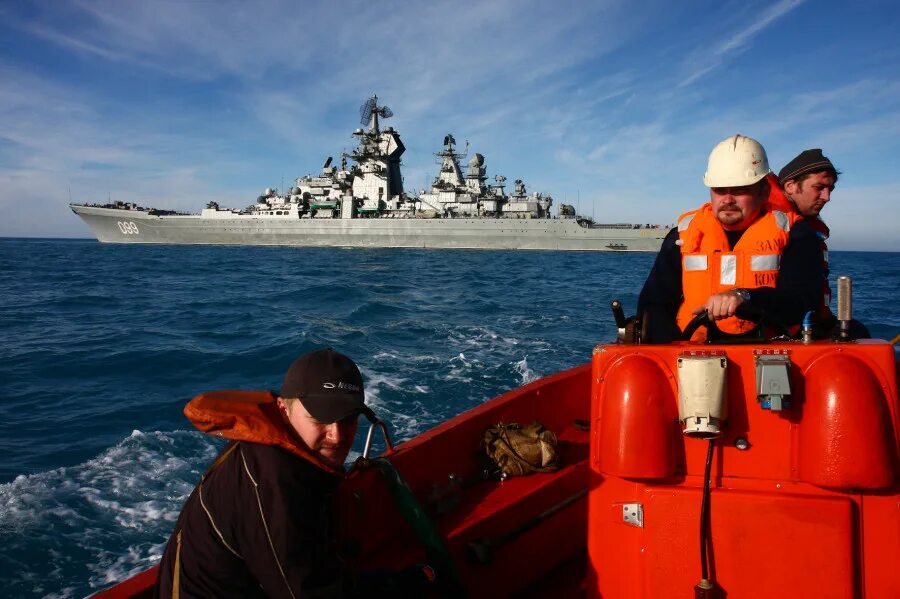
x,y
732,252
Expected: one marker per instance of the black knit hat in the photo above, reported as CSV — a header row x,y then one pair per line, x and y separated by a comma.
x,y
808,161
328,384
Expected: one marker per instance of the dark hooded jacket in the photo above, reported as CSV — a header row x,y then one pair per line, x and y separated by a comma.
x,y
258,523
779,201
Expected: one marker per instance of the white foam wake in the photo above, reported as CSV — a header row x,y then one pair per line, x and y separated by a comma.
x,y
99,521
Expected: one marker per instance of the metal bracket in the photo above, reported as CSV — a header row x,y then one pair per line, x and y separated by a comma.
x,y
633,514
773,382
389,447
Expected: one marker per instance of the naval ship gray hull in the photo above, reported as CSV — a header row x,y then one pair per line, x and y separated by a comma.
x,y
116,225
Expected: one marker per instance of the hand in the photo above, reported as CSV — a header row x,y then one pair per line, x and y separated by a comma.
x,y
721,305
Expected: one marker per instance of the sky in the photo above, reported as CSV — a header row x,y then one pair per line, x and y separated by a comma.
x,y
611,106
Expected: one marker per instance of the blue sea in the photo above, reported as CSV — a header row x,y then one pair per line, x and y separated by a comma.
x,y
102,345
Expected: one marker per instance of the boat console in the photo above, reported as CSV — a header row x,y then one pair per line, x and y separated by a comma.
x,y
754,469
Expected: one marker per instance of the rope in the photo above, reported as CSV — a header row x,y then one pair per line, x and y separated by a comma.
x,y
448,578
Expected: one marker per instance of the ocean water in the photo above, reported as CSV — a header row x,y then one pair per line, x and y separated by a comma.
x,y
102,345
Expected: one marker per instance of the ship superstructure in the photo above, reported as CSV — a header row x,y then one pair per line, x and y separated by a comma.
x,y
452,195
365,204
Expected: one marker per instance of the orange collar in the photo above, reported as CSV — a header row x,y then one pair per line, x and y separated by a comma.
x,y
251,416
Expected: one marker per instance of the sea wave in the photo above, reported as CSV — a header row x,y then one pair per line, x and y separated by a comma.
x,y
98,521
100,340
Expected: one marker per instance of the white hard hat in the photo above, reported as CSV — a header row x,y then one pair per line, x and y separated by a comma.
x,y
736,161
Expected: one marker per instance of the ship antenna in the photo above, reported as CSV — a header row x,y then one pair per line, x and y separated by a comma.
x,y
370,111
365,111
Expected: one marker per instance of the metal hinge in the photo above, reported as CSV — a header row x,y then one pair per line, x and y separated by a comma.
x,y
633,514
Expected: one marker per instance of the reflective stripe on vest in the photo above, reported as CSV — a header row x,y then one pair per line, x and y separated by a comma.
x,y
765,262
695,263
727,269
685,222
781,219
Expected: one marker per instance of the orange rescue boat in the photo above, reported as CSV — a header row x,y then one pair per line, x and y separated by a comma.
x,y
787,487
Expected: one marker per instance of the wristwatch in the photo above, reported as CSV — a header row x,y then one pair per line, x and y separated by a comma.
x,y
743,294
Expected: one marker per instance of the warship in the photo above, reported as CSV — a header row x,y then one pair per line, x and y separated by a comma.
x,y
365,205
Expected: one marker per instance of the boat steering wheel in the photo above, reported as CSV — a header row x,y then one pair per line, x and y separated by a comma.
x,y
756,335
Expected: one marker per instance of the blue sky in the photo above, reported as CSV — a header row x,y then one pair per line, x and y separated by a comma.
x,y
610,105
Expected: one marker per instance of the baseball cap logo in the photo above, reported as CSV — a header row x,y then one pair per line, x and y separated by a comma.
x,y
343,386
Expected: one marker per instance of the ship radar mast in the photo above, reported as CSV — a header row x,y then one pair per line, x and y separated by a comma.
x,y
449,150
370,111
377,178
450,176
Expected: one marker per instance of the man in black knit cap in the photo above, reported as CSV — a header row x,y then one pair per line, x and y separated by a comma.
x,y
808,181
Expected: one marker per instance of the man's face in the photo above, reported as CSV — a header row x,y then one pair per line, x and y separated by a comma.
x,y
737,207
811,194
331,442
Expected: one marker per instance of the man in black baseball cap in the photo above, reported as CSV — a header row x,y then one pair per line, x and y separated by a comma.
x,y
327,383
256,524
322,396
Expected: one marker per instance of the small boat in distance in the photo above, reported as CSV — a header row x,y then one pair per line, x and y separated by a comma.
x,y
365,205
765,468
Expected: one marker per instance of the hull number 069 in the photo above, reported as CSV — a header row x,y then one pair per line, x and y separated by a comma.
x,y
128,228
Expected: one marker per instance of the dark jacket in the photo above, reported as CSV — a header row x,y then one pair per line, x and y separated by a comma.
x,y
779,201
258,524
797,288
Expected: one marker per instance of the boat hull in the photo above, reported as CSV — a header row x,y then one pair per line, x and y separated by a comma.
x,y
443,469
805,505
114,225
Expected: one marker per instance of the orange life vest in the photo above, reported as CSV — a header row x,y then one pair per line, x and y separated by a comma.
x,y
709,265
251,416
779,201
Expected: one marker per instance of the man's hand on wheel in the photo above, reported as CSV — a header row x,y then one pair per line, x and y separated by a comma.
x,y
721,305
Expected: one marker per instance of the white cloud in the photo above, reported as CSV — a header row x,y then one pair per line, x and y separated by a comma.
x,y
709,58
575,98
